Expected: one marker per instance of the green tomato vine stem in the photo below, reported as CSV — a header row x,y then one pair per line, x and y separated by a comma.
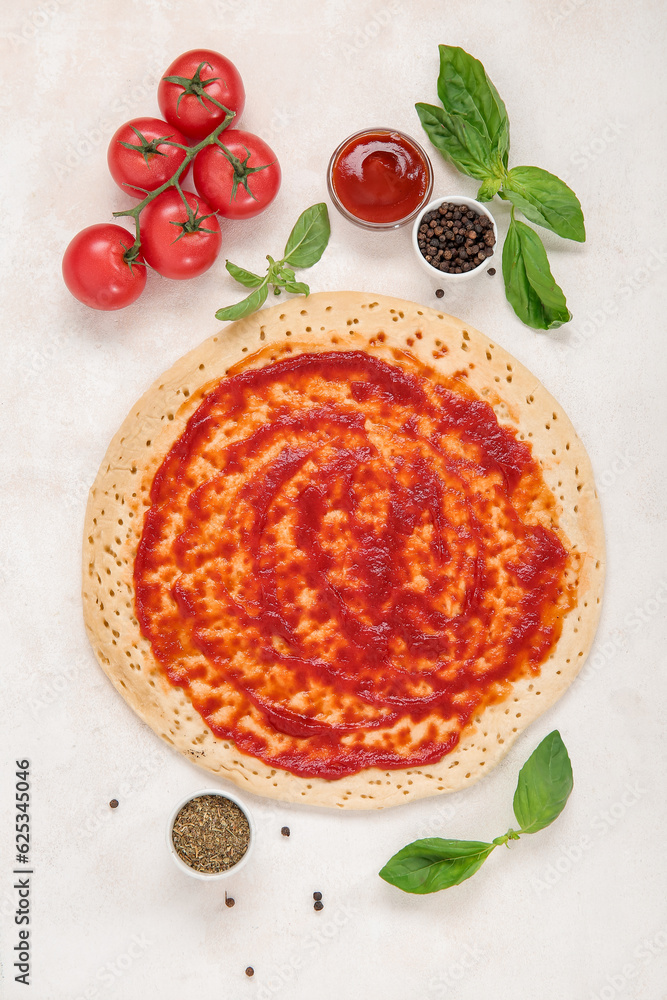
x,y
193,222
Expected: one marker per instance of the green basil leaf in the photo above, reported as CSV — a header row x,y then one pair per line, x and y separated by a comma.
x,y
308,240
245,306
465,89
545,783
296,287
546,200
459,142
529,284
489,188
246,278
432,864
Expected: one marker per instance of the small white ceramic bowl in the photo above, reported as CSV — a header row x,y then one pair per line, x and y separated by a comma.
x,y
435,272
204,876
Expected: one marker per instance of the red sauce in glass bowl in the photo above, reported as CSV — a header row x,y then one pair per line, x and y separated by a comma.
x,y
380,178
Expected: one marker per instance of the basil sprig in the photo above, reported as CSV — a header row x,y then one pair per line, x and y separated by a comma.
x,y
472,132
544,786
305,245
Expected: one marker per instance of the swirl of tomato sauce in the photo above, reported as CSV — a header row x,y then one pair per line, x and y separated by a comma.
x,y
344,559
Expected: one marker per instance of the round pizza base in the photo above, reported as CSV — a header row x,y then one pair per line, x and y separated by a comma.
x,y
332,321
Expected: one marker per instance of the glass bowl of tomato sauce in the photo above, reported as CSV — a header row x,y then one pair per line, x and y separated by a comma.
x,y
379,178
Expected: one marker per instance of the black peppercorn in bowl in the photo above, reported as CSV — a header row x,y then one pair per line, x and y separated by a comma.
x,y
210,834
454,238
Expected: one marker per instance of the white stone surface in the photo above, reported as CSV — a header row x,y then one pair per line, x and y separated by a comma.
x,y
584,84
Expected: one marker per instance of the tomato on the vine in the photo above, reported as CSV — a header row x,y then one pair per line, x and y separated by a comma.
x,y
241,182
191,84
178,243
139,156
96,271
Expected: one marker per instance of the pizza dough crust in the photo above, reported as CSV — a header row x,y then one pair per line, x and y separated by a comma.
x,y
331,321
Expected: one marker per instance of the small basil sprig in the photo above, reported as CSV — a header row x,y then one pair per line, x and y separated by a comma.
x,y
306,244
545,783
472,132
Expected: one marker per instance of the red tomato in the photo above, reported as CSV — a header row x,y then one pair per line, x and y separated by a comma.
x,y
168,243
95,271
183,91
149,163
243,187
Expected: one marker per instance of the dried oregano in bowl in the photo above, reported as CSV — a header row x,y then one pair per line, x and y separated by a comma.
x,y
210,834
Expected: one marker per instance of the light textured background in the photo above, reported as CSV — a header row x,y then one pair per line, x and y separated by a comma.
x,y
557,916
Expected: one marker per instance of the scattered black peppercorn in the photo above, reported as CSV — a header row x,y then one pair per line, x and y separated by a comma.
x,y
317,895
318,905
439,291
471,234
229,900
285,831
250,971
113,804
491,271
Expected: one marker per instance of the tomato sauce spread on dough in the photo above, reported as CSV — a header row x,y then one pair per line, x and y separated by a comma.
x,y
345,559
